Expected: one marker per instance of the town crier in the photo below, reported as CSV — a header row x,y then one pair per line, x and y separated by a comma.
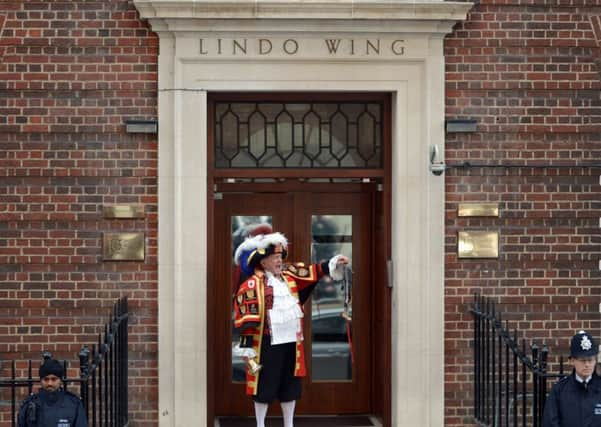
x,y
269,316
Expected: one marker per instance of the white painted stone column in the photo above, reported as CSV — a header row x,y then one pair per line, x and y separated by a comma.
x,y
182,246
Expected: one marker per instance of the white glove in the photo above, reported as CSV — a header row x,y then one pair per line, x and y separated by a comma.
x,y
336,270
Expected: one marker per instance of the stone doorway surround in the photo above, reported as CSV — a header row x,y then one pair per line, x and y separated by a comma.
x,y
391,46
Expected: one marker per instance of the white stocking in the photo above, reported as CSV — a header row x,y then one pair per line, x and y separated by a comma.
x,y
288,412
260,412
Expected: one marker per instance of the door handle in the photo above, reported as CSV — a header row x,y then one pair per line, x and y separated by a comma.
x,y
390,273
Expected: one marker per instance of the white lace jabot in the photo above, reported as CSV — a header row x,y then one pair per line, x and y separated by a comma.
x,y
286,314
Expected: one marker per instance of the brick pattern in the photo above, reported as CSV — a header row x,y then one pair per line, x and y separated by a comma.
x,y
76,66
71,73
529,72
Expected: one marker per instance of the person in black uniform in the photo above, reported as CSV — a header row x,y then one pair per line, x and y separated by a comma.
x,y
575,401
52,406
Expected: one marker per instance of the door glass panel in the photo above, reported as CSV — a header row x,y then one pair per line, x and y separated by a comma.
x,y
331,354
241,229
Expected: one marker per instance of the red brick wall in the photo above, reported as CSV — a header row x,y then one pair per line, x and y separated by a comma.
x,y
71,72
528,71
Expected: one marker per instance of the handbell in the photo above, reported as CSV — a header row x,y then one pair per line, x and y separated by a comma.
x,y
254,366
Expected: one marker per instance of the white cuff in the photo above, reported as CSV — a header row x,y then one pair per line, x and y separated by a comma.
x,y
336,271
243,351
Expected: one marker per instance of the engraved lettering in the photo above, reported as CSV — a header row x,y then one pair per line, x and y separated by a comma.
x,y
202,50
288,49
237,46
265,46
332,45
375,47
398,50
116,246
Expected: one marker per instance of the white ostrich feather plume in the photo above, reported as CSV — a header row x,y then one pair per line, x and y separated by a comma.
x,y
258,242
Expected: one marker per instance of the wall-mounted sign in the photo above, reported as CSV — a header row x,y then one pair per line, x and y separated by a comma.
x,y
478,244
478,209
123,211
123,246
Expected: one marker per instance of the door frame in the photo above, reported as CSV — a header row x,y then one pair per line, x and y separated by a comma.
x,y
221,180
415,81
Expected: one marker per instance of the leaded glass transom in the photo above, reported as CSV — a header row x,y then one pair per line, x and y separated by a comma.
x,y
298,135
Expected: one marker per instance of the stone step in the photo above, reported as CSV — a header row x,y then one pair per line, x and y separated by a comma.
x,y
303,421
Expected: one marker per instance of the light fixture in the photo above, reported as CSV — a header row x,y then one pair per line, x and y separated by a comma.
x,y
461,125
141,126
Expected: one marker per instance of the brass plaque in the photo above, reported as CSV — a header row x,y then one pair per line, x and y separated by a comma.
x,y
478,209
124,211
123,246
478,244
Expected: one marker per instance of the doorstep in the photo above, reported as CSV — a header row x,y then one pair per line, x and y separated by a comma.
x,y
303,421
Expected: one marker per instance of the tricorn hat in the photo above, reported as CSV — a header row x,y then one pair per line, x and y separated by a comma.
x,y
583,345
250,252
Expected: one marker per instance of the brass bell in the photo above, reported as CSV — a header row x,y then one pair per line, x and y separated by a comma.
x,y
254,366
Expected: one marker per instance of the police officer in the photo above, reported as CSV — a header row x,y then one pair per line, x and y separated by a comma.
x,y
52,406
575,401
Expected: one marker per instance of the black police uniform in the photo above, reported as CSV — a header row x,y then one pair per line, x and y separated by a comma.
x,y
573,404
52,409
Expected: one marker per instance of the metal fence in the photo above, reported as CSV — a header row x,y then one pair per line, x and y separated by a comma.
x,y
511,379
103,379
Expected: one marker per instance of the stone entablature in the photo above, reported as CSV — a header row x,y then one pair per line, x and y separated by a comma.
x,y
435,12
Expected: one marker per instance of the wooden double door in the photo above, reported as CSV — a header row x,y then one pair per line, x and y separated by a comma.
x,y
318,222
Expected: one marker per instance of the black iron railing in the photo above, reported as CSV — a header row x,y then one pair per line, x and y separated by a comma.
x,y
510,380
103,380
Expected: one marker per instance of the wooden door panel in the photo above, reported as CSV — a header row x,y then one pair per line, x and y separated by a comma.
x,y
229,386
292,215
322,396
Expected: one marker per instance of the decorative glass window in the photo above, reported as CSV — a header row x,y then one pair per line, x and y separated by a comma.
x,y
298,135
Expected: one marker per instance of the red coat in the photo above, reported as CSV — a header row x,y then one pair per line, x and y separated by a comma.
x,y
252,300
